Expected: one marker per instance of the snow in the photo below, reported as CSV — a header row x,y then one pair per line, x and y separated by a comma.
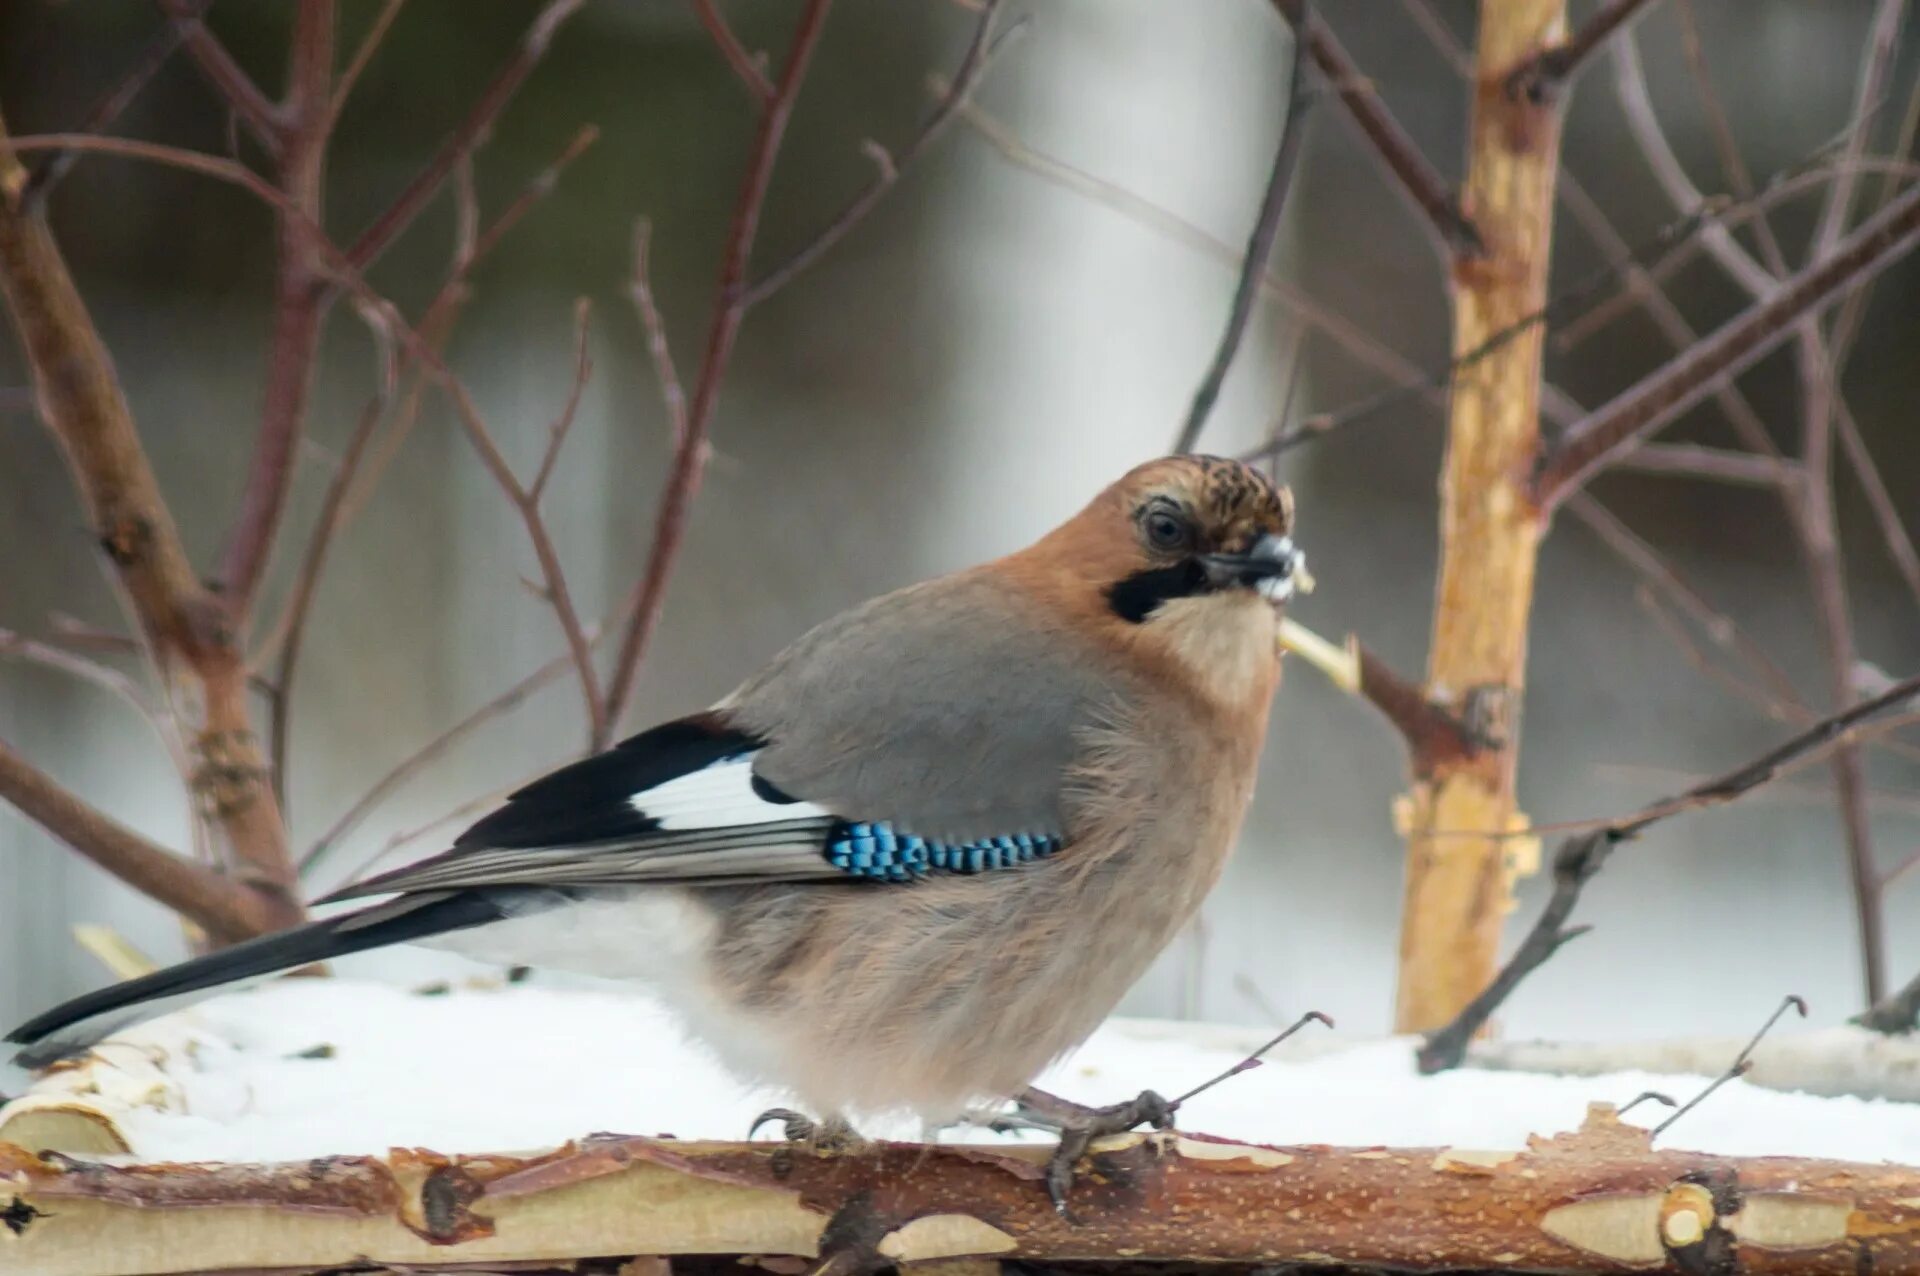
x,y
490,1067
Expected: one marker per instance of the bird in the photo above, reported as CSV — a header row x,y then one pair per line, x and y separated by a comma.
x,y
918,857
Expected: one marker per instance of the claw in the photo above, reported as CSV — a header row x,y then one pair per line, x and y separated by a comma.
x,y
798,1127
1079,1126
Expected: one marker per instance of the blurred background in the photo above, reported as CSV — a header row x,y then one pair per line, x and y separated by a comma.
x,y
961,373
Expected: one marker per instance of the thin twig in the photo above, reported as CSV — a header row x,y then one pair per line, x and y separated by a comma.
x,y
1693,460
1343,332
1253,1060
306,583
225,906
744,64
1259,244
362,55
554,588
250,106
1580,857
51,168
1549,72
470,134
557,432
890,165
640,289
690,457
1412,174
1657,398
424,756
114,682
299,309
1741,1065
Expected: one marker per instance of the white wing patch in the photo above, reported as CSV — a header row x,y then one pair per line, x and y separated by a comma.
x,y
719,795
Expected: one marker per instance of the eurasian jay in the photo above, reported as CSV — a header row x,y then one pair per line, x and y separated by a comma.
x,y
918,857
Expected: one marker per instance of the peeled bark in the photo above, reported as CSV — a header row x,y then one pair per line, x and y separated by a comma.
x,y
1459,887
1598,1200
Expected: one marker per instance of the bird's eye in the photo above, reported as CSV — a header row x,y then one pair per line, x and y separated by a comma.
x,y
1166,530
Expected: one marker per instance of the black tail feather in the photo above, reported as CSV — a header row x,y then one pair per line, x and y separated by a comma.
x,y
395,922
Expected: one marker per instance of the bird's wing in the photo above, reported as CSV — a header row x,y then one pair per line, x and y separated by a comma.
x,y
895,742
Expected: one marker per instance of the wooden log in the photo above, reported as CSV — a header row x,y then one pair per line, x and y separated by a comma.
x,y
1597,1200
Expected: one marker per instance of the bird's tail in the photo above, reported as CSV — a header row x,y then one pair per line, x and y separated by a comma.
x,y
78,1024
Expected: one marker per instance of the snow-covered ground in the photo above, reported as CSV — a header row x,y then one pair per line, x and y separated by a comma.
x,y
307,1068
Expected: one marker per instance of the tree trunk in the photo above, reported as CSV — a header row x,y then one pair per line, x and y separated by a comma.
x,y
1459,888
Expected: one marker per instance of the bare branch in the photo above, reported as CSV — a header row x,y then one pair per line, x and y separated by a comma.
x,y
226,908
1412,174
48,172
417,761
306,582
1343,332
470,134
557,432
553,575
1551,70
362,55
890,165
1581,857
690,457
640,289
1662,395
744,64
1741,1065
249,104
1259,245
184,626
1691,460
298,310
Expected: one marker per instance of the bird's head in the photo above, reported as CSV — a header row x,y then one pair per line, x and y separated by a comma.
x,y
1193,527
1189,557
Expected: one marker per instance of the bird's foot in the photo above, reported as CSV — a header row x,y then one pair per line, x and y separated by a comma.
x,y
831,1136
1080,1125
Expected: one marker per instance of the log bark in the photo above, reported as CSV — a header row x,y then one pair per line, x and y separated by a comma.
x,y
1460,888
1596,1200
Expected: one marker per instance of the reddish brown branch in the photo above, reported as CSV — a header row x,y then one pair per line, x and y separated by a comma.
x,y
471,133
298,310
225,908
557,432
1412,174
1658,398
362,56
1549,71
890,165
417,761
1253,262
1692,460
690,457
744,64
640,289
252,107
188,629
48,172
307,581
1434,737
1581,857
553,575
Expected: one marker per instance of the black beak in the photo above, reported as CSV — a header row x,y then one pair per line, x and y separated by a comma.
x,y
1270,565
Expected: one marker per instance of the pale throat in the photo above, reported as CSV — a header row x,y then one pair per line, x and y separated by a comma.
x,y
1226,642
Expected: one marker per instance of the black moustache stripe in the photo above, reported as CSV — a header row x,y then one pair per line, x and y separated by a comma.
x,y
1135,598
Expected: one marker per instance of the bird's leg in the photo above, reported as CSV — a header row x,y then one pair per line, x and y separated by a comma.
x,y
1080,1125
832,1135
